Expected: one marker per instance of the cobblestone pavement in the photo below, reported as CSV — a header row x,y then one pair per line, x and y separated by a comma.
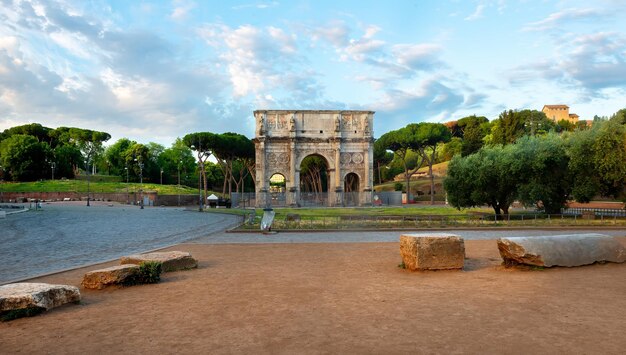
x,y
385,236
61,236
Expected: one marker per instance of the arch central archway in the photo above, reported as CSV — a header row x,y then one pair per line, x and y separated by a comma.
x,y
314,181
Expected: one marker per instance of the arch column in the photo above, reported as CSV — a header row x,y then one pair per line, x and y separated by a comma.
x,y
293,185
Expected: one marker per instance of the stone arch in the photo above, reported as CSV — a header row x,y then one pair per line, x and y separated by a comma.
x,y
343,139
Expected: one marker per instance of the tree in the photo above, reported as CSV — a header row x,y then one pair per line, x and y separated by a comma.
x,y
179,158
89,142
39,132
472,138
67,159
483,178
429,136
580,145
541,163
204,144
609,156
451,149
402,142
565,126
619,117
381,157
115,154
24,157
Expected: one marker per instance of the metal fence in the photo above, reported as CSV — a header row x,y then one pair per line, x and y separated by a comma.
x,y
598,212
319,222
309,199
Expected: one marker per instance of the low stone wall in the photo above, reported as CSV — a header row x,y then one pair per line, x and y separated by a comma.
x,y
132,197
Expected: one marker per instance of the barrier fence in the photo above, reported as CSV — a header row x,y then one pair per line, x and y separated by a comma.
x,y
312,222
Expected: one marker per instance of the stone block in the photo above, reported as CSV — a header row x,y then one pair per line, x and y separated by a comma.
x,y
25,295
170,260
432,251
114,275
561,250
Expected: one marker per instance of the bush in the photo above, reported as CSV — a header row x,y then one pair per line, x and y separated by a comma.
x,y
149,272
398,186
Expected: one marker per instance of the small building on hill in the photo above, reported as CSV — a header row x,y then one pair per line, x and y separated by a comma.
x,y
559,112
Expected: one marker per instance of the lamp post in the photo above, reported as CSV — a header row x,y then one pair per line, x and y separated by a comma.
x,y
1,181
161,176
87,171
53,166
127,195
140,163
180,162
199,178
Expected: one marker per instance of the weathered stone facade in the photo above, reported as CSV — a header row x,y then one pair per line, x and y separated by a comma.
x,y
343,138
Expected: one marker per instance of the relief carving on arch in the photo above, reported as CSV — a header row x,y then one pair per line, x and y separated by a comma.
x,y
277,123
351,123
351,160
278,161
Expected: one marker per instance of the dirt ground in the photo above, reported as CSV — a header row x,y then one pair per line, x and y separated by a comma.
x,y
337,298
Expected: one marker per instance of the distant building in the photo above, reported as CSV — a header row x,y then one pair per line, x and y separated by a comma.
x,y
559,112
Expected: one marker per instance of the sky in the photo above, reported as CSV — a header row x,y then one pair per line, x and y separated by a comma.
x,y
153,71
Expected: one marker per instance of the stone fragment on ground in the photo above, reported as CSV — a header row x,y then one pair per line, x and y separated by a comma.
x,y
114,275
170,260
432,251
30,295
561,250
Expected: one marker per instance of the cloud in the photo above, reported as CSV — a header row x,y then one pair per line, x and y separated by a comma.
x,y
336,32
477,14
591,62
261,5
181,9
421,56
257,59
559,18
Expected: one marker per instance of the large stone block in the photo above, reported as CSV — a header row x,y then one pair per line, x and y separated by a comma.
x,y
561,250
433,251
114,275
170,260
36,295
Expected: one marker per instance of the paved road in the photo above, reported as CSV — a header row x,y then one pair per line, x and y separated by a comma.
x,y
383,236
62,236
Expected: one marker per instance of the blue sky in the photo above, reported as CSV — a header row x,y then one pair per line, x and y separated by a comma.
x,y
156,70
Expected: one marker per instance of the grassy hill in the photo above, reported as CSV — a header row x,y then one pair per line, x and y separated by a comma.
x,y
95,186
420,182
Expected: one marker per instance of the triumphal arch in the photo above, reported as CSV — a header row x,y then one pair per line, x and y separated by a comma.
x,y
342,139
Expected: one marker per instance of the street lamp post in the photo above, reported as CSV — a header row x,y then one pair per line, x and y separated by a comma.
x,y
180,162
127,195
87,171
53,166
1,181
140,163
161,176
200,168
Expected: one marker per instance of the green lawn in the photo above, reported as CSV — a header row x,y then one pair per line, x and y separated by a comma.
x,y
97,187
362,211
